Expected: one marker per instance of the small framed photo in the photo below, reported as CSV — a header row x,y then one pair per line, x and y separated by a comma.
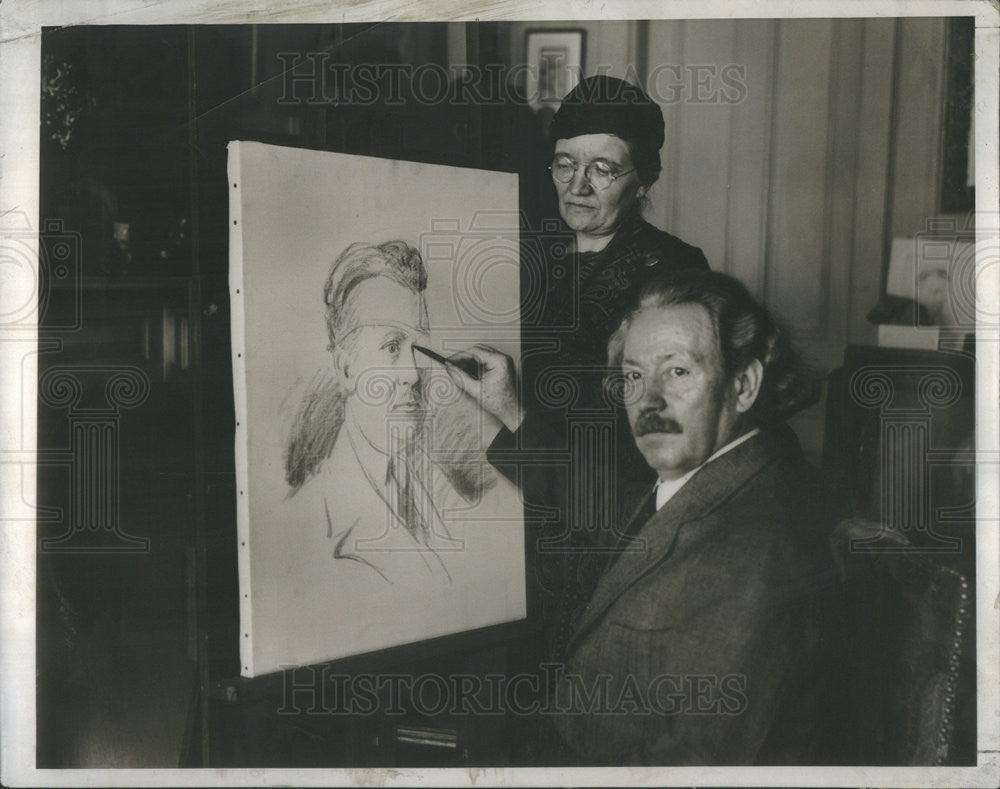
x,y
555,61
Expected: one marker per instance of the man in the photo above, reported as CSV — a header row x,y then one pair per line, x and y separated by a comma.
x,y
715,638
709,639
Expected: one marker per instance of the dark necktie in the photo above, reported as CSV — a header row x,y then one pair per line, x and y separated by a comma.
x,y
399,485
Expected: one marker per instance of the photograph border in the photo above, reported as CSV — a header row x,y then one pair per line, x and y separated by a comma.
x,y
20,42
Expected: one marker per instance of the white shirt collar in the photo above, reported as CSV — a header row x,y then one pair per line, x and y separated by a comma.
x,y
667,488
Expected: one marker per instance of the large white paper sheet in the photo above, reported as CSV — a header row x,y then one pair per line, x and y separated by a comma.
x,y
368,516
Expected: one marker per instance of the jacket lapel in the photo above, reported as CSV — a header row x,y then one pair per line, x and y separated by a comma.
x,y
704,492
640,506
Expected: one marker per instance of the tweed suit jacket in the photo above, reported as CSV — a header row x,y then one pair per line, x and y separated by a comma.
x,y
714,642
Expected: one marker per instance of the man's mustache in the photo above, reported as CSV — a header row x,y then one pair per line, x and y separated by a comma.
x,y
650,421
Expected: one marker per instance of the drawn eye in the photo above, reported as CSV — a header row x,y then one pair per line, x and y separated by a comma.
x,y
392,347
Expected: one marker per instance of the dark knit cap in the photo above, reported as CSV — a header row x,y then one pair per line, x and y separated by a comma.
x,y
608,105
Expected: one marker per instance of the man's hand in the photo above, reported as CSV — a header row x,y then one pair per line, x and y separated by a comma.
x,y
496,389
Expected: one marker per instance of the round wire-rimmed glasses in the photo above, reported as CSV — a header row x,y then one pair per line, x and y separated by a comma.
x,y
598,174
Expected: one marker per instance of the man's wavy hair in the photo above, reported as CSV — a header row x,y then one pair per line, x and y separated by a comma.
x,y
745,331
360,262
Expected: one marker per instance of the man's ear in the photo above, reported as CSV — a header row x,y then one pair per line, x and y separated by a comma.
x,y
747,385
341,365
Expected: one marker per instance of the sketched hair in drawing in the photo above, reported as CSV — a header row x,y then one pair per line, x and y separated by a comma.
x,y
320,413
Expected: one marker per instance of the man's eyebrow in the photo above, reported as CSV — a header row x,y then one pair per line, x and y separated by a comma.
x,y
397,332
386,328
666,357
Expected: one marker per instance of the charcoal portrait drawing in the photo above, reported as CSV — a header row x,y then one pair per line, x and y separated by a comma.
x,y
362,432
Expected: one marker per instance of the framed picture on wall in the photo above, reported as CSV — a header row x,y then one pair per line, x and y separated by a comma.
x,y
555,62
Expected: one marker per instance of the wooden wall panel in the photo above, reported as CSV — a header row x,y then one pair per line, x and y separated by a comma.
x,y
919,106
750,154
871,187
704,130
823,344
665,54
840,197
795,276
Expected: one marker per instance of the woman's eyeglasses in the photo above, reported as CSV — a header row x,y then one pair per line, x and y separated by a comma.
x,y
598,174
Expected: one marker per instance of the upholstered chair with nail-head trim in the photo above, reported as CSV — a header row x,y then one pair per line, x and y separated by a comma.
x,y
909,653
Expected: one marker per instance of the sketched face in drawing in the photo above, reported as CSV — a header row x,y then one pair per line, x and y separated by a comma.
x,y
375,360
375,311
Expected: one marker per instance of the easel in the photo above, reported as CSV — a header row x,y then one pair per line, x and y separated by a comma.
x,y
236,721
411,705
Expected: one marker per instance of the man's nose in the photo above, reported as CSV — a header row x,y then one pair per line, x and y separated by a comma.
x,y
406,367
652,397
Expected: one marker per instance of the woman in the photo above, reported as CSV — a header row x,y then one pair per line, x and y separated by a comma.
x,y
606,138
